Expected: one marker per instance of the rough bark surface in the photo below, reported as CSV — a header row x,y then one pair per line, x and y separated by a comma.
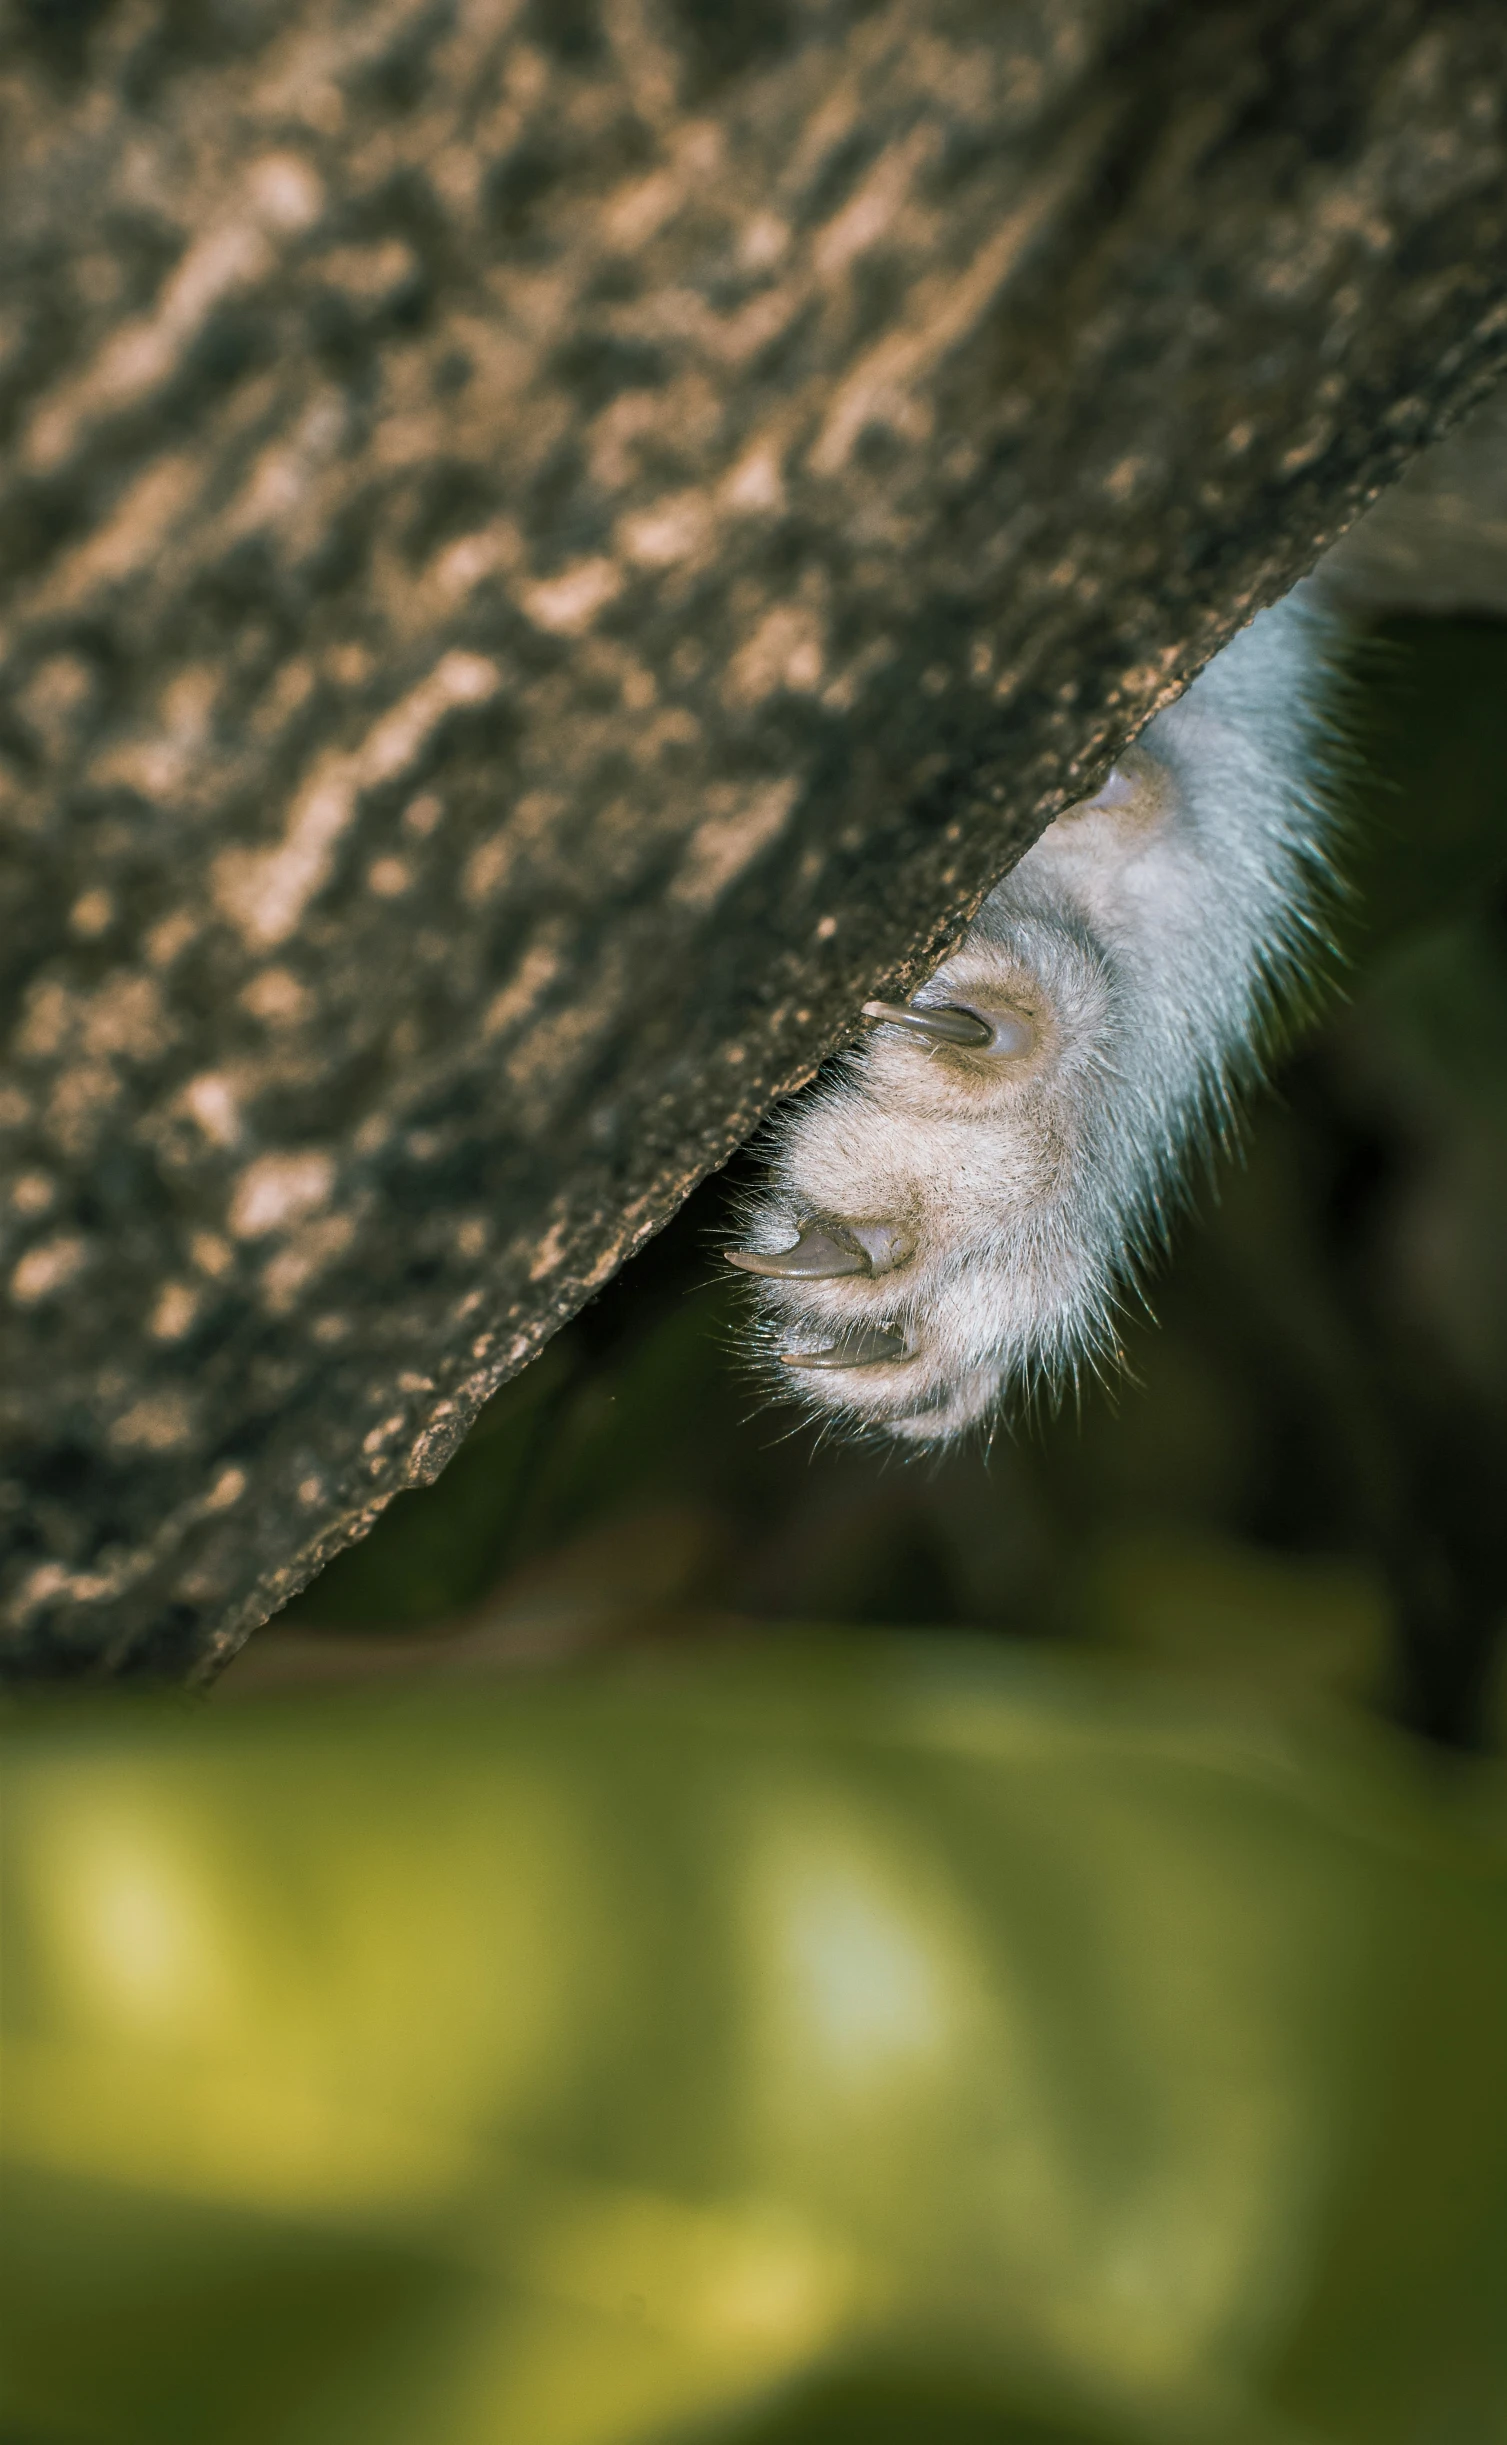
x,y
548,550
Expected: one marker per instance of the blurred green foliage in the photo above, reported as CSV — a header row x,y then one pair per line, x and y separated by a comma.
x,y
1298,1483
884,2041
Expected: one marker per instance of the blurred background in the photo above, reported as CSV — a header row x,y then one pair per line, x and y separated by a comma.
x,y
1300,1480
692,1934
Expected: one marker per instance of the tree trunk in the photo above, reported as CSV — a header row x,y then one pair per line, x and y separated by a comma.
x,y
549,550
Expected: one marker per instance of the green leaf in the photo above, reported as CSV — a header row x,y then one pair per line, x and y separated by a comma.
x,y
882,2039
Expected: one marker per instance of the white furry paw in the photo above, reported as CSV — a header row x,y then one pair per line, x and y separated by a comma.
x,y
955,1213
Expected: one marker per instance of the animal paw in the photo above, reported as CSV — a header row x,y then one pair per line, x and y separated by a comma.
x,y
955,1212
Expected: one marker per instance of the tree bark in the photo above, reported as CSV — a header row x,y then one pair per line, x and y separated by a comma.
x,y
549,551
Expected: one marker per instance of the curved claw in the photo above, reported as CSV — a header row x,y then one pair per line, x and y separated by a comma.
x,y
942,1025
825,1251
869,1346
816,1257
